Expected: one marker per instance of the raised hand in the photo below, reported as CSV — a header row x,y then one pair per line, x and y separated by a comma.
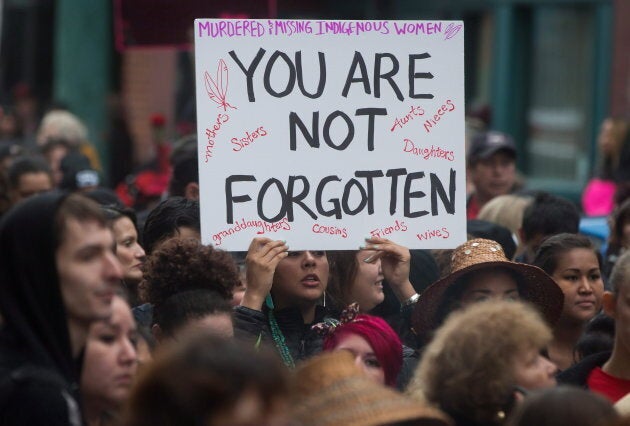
x,y
263,255
395,262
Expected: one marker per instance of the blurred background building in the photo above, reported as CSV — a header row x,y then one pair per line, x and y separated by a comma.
x,y
546,71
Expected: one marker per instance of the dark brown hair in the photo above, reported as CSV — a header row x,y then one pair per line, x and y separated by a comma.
x,y
620,217
343,270
178,265
557,245
196,379
80,208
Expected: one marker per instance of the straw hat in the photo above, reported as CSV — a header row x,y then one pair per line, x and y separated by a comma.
x,y
535,285
331,390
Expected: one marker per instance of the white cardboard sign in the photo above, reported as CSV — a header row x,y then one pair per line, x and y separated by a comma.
x,y
322,133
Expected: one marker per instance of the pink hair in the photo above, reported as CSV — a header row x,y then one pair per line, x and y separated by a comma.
x,y
381,337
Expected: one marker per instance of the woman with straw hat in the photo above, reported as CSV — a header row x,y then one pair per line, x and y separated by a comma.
x,y
480,271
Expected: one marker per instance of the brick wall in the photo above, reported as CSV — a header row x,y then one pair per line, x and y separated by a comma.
x,y
148,87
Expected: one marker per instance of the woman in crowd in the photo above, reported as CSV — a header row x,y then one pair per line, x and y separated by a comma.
x,y
110,364
357,275
189,285
480,271
599,195
564,406
128,249
376,348
379,278
209,381
614,148
285,293
574,263
493,352
619,238
354,280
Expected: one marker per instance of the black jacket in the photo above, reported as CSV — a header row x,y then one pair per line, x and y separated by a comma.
x,y
38,375
302,342
411,359
577,374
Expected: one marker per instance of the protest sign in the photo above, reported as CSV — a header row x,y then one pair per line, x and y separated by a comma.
x,y
322,133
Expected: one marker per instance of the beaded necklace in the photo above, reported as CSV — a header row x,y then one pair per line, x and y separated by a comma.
x,y
278,336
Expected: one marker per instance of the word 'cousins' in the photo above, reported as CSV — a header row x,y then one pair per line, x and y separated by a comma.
x,y
329,230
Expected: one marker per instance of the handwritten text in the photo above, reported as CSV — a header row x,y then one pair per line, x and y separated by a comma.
x,y
240,143
398,226
242,225
212,132
414,111
426,153
431,122
435,233
330,230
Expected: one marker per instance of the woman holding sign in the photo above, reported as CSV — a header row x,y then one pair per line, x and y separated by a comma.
x,y
286,292
357,275
284,296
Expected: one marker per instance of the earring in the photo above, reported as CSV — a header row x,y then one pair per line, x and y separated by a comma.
x,y
324,299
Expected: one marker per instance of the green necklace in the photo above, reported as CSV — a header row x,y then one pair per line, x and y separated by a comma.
x,y
278,336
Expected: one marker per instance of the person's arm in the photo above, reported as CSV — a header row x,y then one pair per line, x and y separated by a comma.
x,y
396,263
263,255
262,258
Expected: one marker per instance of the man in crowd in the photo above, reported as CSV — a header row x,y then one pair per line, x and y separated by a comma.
x,y
491,162
58,274
28,176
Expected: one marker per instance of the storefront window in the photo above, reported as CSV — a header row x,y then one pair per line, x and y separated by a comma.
x,y
559,118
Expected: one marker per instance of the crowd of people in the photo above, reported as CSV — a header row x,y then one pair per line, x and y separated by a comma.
x,y
114,312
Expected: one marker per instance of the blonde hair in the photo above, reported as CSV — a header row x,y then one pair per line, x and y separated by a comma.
x,y
505,210
59,124
468,368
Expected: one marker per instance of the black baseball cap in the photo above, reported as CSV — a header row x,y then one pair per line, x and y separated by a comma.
x,y
483,145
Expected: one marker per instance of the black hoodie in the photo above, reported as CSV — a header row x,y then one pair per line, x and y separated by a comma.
x,y
38,375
